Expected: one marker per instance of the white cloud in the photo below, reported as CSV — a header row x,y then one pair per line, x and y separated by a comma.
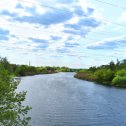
x,y
25,30
122,18
110,43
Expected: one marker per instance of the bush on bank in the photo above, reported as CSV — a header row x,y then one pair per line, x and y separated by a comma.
x,y
113,74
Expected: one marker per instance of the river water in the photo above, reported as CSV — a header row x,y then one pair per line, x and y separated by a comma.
x,y
62,100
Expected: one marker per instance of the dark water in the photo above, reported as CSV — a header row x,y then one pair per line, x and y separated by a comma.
x,y
61,100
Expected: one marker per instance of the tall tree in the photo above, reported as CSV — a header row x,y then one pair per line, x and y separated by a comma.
x,y
12,112
112,65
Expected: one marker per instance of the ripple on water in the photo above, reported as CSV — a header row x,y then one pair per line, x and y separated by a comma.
x,y
61,100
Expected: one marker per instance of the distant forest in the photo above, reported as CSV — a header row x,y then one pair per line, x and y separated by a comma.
x,y
25,70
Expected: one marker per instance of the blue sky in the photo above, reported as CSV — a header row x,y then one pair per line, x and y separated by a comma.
x,y
73,33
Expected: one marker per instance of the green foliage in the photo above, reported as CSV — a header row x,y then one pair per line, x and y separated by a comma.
x,y
121,73
83,71
117,63
4,62
20,70
93,69
25,70
119,81
111,74
120,78
64,69
12,112
112,65
104,75
85,75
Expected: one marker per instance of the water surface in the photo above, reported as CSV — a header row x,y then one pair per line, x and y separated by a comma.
x,y
62,100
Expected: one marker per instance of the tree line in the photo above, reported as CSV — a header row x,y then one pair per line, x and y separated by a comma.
x,y
24,70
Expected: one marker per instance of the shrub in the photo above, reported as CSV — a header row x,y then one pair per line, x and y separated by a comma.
x,y
104,75
119,81
121,73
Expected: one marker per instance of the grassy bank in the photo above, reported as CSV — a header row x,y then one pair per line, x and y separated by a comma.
x,y
112,74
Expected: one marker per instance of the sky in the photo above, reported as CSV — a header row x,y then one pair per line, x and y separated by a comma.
x,y
72,33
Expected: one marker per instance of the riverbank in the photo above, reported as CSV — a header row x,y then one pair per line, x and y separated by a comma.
x,y
33,74
91,78
113,74
85,76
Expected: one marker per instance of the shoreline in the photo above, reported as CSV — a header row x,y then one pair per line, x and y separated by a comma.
x,y
77,76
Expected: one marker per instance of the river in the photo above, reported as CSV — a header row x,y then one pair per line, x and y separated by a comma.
x,y
62,100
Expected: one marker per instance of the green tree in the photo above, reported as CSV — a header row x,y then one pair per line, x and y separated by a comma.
x,y
124,61
119,81
104,75
112,65
12,112
121,73
120,78
117,63
4,62
21,70
93,69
